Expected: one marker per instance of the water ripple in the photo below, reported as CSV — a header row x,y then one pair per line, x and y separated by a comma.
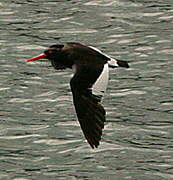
x,y
40,136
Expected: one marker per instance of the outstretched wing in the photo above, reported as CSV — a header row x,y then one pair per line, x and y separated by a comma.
x,y
88,85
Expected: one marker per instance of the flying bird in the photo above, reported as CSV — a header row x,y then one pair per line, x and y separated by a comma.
x,y
91,74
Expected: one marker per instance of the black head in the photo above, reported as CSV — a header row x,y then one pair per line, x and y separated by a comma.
x,y
54,51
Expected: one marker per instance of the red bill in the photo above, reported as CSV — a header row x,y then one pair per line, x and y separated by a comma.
x,y
42,55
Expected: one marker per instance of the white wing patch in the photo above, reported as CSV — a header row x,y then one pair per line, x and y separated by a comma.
x,y
99,51
99,87
112,62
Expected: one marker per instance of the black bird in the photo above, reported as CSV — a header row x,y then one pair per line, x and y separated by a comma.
x,y
88,84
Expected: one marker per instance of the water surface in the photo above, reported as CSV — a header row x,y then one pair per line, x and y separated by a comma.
x,y
39,135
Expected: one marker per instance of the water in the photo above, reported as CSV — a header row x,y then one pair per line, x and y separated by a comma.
x,y
39,135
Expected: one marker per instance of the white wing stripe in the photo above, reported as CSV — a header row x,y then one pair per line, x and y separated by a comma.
x,y
99,87
99,51
112,62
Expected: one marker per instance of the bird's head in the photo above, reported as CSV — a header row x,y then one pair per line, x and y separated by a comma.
x,y
52,53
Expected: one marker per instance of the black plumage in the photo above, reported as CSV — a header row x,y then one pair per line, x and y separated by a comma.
x,y
88,63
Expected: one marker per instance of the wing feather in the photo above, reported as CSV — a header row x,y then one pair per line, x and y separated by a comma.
x,y
90,112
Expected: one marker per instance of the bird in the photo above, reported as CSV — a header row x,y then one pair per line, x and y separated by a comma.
x,y
88,84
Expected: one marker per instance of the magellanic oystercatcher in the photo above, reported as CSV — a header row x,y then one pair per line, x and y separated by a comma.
x,y
88,84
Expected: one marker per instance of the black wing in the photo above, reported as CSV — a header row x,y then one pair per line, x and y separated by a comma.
x,y
90,113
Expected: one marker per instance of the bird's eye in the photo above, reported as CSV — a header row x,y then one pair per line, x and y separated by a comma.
x,y
50,51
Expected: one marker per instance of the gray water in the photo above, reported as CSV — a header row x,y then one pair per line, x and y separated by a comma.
x,y
40,137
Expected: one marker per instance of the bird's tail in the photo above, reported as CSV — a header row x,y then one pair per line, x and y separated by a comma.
x,y
114,63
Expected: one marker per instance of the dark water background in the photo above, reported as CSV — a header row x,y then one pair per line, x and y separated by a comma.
x,y
40,138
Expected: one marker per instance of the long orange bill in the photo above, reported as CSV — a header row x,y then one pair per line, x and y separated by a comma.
x,y
42,55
